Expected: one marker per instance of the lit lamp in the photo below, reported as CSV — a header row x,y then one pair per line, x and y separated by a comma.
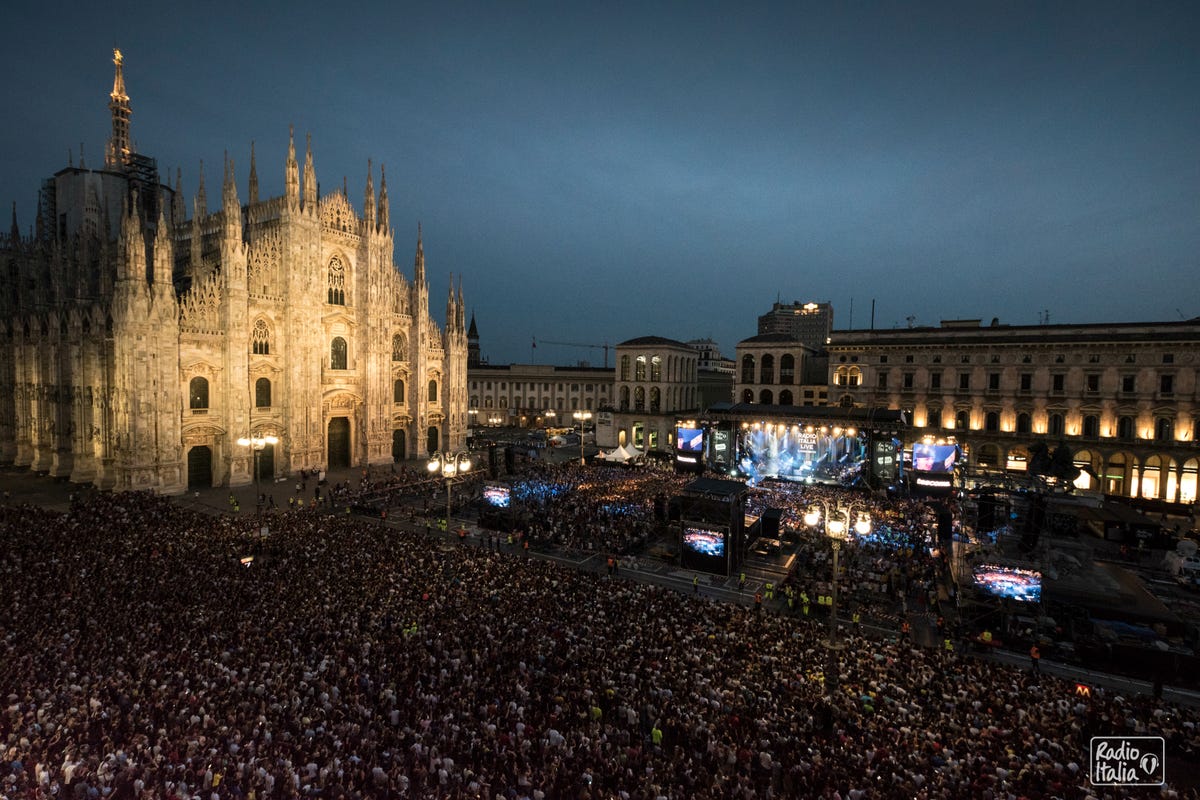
x,y
583,417
257,444
494,421
837,528
449,465
472,417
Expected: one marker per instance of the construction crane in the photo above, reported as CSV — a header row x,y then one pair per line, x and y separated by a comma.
x,y
603,347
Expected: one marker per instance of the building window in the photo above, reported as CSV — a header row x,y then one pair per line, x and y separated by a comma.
x,y
262,393
336,289
1093,382
747,395
785,397
624,402
1057,381
908,380
1166,385
881,380
991,421
787,368
260,338
655,369
639,368
1091,426
198,393
937,359
433,391
639,398
1168,358
337,353
747,368
766,397
655,400
1024,423
625,368
398,392
994,381
1125,428
1164,429
1026,381
883,359
934,416
964,380
1026,359
935,380
962,420
965,360
1128,383
400,348
767,370
1054,425
908,359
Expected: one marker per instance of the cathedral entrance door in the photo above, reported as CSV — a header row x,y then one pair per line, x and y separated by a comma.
x,y
432,440
266,463
200,467
399,446
339,443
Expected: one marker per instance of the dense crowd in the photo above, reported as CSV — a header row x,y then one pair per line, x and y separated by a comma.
x,y
140,658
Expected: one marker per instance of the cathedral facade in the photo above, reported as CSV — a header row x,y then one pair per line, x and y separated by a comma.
x,y
145,345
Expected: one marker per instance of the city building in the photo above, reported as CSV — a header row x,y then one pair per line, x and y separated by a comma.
x,y
810,322
152,351
714,373
535,395
711,359
779,369
1123,397
656,381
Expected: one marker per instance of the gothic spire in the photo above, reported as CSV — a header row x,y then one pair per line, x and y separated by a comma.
x,y
201,196
369,200
230,205
462,307
419,260
253,178
178,210
14,236
133,245
292,170
310,178
160,272
383,200
473,332
118,104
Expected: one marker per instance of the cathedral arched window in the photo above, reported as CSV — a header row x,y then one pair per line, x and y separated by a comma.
x,y
337,353
1024,423
260,338
198,393
399,347
262,393
433,391
398,391
336,290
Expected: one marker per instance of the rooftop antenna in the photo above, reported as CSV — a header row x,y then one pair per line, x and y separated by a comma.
x,y
911,319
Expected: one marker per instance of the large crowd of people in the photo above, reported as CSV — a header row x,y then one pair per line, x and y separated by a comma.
x,y
143,656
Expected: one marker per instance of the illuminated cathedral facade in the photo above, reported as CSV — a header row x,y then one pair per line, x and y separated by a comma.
x,y
146,348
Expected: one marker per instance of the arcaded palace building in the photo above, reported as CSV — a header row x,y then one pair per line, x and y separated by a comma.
x,y
1123,397
143,345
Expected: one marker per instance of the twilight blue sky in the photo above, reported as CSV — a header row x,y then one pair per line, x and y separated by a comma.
x,y
602,171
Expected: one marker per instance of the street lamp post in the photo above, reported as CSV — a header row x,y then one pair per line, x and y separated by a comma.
x,y
449,465
583,417
257,444
837,528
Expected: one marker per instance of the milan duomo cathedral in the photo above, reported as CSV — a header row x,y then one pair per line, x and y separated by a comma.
x,y
144,345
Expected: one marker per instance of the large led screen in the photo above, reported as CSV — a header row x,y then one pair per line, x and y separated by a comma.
x,y
689,440
801,454
1013,583
934,457
497,495
702,542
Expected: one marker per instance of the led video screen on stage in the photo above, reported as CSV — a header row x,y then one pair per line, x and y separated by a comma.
x,y
689,440
497,495
1013,583
801,454
934,457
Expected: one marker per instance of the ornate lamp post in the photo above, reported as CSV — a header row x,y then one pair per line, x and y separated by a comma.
x,y
583,417
449,465
837,528
257,444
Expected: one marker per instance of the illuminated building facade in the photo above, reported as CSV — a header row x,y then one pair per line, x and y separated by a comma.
x,y
144,345
656,381
1122,397
535,395
779,369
